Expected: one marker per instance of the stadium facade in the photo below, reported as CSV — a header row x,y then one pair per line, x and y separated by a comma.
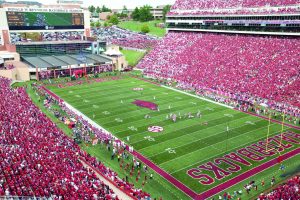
x,y
31,37
256,19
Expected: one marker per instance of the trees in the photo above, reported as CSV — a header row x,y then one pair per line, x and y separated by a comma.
x,y
114,20
97,24
166,9
145,28
98,9
142,14
91,9
105,9
136,14
145,14
122,15
125,10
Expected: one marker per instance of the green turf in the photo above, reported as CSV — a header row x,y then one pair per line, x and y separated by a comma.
x,y
194,143
52,19
132,57
292,167
136,26
157,187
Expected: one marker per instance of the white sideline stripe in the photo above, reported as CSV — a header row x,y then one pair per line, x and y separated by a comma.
x,y
87,118
192,95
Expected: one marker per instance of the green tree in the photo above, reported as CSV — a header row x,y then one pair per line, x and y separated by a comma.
x,y
122,15
91,9
97,24
166,9
98,9
114,20
92,24
145,28
125,10
145,14
136,14
105,24
105,9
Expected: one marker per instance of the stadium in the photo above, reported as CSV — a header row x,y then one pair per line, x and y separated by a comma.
x,y
210,110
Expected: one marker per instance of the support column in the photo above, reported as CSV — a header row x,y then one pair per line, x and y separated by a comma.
x,y
37,73
70,68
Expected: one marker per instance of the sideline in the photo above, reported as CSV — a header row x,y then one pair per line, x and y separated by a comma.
x,y
76,111
139,156
121,194
172,180
272,120
192,95
256,170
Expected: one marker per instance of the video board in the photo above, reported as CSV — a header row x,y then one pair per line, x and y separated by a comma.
x,y
44,20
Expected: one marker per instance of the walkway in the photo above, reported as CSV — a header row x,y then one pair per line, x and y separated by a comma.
x,y
121,194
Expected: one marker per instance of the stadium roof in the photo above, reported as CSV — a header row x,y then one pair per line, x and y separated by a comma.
x,y
63,60
54,42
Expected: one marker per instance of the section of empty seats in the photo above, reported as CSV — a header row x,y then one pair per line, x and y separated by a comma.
x,y
252,66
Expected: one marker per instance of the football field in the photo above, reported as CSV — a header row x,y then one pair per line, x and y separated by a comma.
x,y
51,19
193,148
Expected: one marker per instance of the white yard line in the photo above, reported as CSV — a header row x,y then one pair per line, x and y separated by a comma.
x,y
191,152
161,115
197,139
170,125
192,95
229,150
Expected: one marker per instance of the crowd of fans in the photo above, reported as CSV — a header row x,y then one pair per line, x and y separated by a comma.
x,y
237,11
124,38
47,36
213,4
62,36
257,69
7,67
37,159
84,131
288,190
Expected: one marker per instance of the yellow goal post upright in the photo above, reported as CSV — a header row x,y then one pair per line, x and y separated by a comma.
x,y
268,134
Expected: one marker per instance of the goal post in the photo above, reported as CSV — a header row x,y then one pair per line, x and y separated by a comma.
x,y
268,148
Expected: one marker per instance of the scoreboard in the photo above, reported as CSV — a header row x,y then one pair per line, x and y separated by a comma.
x,y
15,19
44,20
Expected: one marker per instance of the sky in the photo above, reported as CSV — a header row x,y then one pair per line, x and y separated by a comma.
x,y
114,4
